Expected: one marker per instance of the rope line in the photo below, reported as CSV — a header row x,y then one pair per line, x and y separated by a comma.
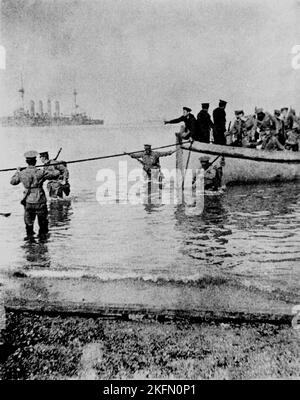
x,y
98,158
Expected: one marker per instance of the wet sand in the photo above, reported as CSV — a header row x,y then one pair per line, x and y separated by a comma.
x,y
162,331
44,347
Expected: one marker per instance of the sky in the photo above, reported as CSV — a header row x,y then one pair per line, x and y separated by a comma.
x,y
136,60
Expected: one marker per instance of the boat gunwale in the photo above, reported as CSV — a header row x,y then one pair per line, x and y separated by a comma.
x,y
266,155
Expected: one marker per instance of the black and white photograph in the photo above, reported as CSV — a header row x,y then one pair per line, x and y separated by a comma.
x,y
150,193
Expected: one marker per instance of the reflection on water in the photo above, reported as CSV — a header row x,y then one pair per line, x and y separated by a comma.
x,y
249,233
36,253
150,208
205,233
60,213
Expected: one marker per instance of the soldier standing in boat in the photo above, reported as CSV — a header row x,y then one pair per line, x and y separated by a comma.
x,y
189,121
34,200
283,116
238,131
59,185
293,137
279,125
219,117
266,126
204,125
265,121
291,118
150,159
212,173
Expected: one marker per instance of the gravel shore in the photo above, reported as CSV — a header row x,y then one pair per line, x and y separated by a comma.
x,y
44,347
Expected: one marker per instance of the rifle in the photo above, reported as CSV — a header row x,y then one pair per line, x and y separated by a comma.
x,y
211,163
57,155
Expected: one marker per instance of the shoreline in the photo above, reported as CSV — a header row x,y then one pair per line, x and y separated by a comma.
x,y
214,299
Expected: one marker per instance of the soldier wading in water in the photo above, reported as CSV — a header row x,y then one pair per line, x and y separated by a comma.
x,y
34,200
150,160
212,173
60,184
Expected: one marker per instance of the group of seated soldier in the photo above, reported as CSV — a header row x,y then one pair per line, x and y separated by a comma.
x,y
265,131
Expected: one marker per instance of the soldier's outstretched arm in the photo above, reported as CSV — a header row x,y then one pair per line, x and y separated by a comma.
x,y
136,155
166,153
174,121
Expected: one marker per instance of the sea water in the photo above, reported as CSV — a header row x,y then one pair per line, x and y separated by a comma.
x,y
249,234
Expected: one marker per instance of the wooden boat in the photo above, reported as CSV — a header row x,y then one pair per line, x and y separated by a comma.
x,y
242,165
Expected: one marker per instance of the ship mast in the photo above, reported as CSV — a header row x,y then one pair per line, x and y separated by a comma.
x,y
22,91
75,104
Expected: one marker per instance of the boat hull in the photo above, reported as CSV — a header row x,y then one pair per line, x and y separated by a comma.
x,y
243,165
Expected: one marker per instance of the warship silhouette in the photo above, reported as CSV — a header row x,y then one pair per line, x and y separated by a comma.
x,y
29,117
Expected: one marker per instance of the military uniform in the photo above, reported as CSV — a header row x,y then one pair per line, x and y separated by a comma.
x,y
267,122
34,201
279,126
251,129
189,122
213,178
212,174
219,117
273,144
204,125
293,138
58,186
290,119
151,161
239,130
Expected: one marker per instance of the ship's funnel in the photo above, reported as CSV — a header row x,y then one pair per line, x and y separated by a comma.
x,y
57,110
49,108
31,108
41,110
